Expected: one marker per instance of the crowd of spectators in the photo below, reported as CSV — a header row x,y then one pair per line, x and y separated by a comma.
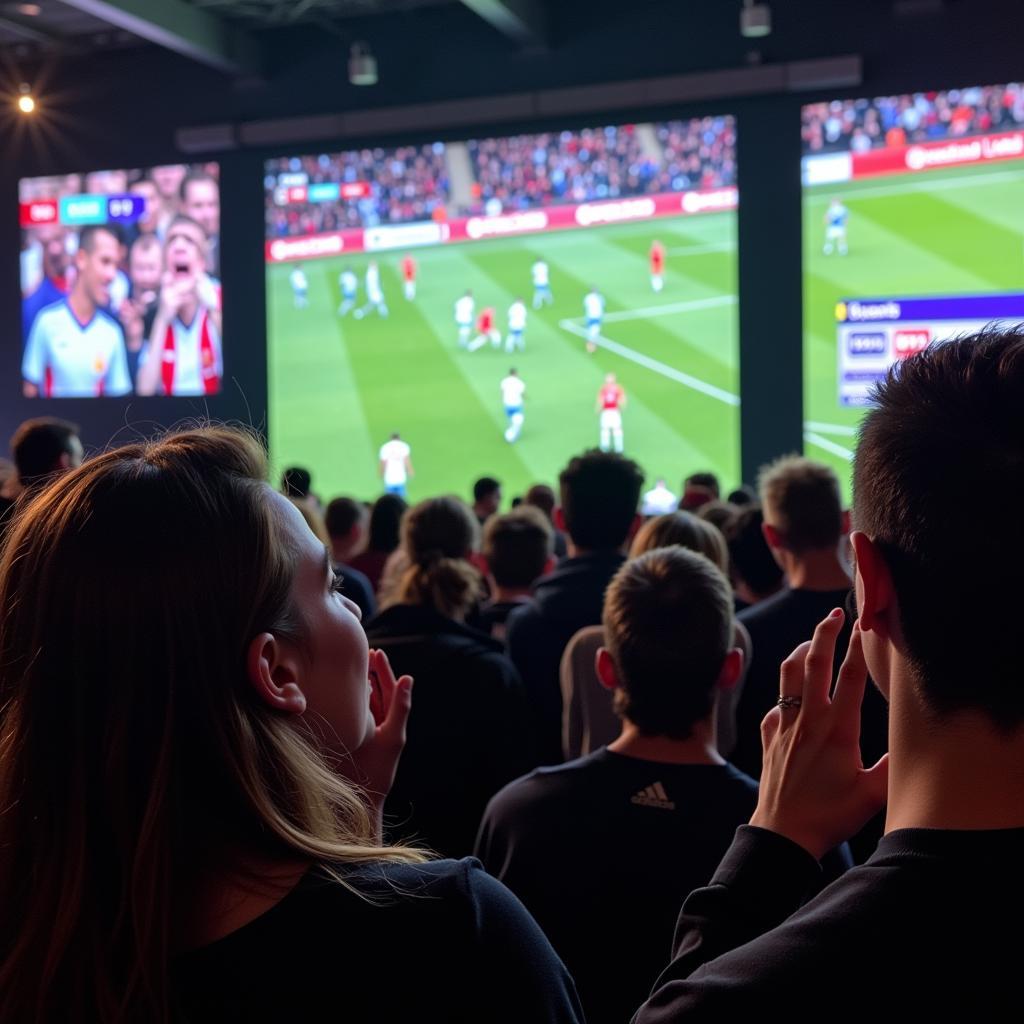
x,y
411,183
527,171
865,124
404,185
220,757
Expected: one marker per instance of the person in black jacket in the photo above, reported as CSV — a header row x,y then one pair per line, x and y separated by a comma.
x,y
920,930
470,731
600,492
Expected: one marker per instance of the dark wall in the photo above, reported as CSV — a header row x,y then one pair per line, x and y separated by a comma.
x,y
123,108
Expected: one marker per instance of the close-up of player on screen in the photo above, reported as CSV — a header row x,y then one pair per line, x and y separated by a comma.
x,y
183,354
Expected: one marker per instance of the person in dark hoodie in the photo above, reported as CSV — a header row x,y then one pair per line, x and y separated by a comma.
x,y
470,731
600,492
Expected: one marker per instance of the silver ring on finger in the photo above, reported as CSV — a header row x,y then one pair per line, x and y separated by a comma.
x,y
788,703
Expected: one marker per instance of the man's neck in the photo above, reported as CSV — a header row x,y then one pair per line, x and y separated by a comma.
x,y
816,570
187,311
699,748
959,772
81,305
509,595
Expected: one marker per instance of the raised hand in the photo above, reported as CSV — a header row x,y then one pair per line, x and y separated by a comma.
x,y
375,762
815,789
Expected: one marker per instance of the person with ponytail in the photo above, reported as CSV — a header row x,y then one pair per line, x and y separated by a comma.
x,y
469,733
195,747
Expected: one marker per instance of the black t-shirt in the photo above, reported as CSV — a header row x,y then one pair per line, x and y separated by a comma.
x,y
777,626
437,941
603,851
926,930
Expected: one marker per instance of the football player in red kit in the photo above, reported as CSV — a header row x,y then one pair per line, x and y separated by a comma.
x,y
611,400
409,270
657,265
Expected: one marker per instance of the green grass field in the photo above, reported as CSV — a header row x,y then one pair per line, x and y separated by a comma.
x,y
338,387
933,233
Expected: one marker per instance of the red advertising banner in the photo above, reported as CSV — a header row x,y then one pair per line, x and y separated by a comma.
x,y
38,212
519,222
926,156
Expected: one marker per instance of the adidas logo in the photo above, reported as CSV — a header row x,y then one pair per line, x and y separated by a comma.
x,y
653,796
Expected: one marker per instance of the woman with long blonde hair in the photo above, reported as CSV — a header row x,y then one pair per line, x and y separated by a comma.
x,y
195,746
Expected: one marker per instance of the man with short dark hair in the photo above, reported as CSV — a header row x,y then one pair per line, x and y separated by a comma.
x,y
76,348
486,498
920,931
200,200
698,490
756,574
804,522
346,521
40,448
543,497
600,492
603,850
517,550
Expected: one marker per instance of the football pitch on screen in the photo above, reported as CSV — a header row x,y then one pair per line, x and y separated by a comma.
x,y
934,233
340,386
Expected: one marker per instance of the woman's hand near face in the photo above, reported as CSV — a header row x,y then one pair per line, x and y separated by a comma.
x,y
375,762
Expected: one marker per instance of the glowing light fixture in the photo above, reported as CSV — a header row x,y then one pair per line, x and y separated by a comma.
x,y
26,101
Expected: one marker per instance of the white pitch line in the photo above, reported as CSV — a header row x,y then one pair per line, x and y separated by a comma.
x,y
830,428
827,445
665,309
652,364
697,250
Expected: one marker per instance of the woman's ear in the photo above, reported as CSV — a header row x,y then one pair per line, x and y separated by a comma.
x,y
273,673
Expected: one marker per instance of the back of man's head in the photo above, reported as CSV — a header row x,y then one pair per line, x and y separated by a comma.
x,y
801,500
486,488
950,422
38,447
543,497
517,546
296,482
668,626
600,493
750,559
342,515
708,481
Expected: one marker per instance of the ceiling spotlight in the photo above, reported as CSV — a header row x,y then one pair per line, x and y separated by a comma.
x,y
29,10
755,20
362,65
26,102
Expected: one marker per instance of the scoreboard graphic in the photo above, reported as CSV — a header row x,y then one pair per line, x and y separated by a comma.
x,y
873,334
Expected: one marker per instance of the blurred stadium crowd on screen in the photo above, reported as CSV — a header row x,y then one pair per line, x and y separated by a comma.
x,y
492,176
862,125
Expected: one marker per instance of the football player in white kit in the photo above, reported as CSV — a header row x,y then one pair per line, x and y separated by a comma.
x,y
593,311
349,284
836,217
75,348
395,465
541,284
300,287
464,310
516,326
512,391
374,293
